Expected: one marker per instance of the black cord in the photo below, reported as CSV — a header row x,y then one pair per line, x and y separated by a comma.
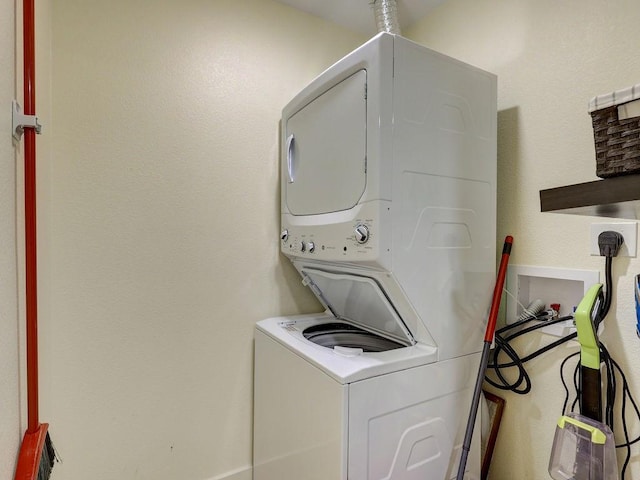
x,y
609,245
522,385
612,370
564,384
576,385
607,293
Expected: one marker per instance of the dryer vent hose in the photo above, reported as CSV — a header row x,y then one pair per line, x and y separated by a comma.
x,y
386,12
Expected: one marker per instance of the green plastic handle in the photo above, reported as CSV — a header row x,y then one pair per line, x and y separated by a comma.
x,y
597,435
589,349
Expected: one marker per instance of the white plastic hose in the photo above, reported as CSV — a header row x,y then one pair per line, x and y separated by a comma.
x,y
534,308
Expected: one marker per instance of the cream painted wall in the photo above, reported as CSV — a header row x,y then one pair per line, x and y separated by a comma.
x,y
163,209
10,431
550,57
164,222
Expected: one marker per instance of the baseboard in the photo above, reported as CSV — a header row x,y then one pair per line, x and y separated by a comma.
x,y
244,473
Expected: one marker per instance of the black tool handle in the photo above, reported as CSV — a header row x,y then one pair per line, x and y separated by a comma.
x,y
590,393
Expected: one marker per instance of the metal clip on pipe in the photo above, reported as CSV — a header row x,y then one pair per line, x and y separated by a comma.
x,y
21,121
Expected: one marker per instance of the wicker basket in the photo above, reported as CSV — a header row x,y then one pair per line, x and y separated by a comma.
x,y
617,140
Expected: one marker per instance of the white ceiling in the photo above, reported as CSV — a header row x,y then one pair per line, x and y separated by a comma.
x,y
358,14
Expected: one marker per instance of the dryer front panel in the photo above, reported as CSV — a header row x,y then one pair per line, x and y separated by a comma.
x,y
324,155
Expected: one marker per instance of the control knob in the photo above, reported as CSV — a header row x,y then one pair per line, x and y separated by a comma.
x,y
362,233
284,236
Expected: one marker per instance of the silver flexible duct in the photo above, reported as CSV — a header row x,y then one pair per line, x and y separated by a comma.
x,y
386,12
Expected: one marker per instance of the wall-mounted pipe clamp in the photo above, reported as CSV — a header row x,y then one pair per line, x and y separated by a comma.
x,y
20,121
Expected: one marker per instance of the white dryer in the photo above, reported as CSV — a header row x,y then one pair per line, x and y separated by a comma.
x,y
388,198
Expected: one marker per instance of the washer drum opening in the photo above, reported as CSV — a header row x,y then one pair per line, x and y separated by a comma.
x,y
338,334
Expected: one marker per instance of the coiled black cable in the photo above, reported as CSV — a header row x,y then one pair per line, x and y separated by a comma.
x,y
522,385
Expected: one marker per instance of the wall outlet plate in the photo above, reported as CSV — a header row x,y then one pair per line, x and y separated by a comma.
x,y
629,231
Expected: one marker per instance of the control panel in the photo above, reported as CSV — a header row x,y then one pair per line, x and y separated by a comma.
x,y
355,236
356,241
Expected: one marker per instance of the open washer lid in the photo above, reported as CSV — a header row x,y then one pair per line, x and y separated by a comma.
x,y
357,299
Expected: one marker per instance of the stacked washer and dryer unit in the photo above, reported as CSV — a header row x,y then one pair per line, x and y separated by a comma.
x,y
388,176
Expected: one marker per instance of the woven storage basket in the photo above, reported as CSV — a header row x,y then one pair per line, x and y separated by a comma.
x,y
617,142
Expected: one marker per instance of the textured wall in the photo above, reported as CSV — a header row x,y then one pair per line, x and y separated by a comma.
x,y
164,226
162,210
10,431
551,58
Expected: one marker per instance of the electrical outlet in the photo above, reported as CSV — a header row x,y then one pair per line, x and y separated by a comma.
x,y
628,230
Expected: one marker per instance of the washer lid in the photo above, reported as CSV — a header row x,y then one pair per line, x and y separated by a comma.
x,y
357,299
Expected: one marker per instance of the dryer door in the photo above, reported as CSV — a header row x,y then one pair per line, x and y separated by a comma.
x,y
324,155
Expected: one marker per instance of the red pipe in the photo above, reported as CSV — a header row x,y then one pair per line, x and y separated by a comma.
x,y
28,21
36,456
497,290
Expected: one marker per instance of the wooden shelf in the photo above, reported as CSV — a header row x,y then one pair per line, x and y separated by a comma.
x,y
611,197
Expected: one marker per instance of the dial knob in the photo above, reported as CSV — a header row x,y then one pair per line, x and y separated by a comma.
x,y
311,246
303,247
362,233
284,235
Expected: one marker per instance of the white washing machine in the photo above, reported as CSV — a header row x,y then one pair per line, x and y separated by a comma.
x,y
388,201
